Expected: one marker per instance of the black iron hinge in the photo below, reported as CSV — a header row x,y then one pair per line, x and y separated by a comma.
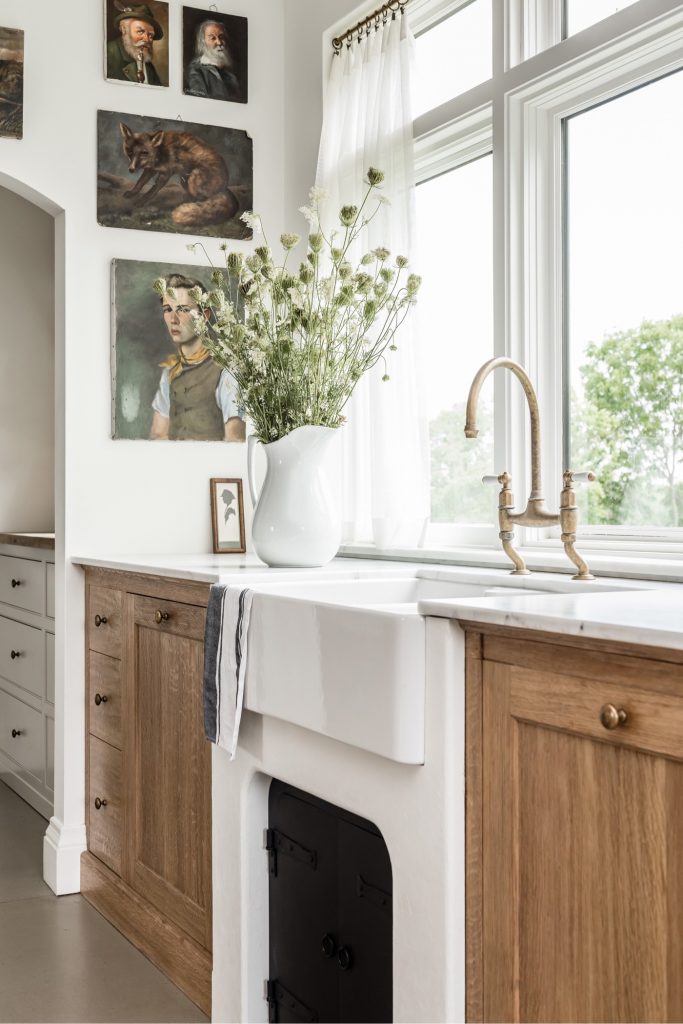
x,y
277,842
277,995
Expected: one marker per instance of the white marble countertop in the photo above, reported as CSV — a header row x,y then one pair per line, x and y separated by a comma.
x,y
651,617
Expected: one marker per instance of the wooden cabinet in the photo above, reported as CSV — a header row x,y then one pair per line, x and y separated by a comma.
x,y
148,866
27,674
574,831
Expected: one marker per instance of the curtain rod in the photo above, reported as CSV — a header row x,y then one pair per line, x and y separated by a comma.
x,y
380,15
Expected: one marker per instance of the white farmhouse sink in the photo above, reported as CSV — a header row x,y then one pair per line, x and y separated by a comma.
x,y
346,658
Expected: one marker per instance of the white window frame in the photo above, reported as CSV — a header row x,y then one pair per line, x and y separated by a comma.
x,y
538,80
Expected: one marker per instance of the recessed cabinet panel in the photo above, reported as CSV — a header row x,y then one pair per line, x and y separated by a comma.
x,y
21,734
22,583
105,803
105,626
22,655
105,698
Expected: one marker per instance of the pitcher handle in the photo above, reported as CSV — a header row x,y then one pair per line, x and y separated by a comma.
x,y
252,441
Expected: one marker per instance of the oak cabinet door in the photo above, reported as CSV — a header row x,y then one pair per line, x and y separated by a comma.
x,y
582,849
169,775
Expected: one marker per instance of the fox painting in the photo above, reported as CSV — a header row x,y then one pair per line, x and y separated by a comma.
x,y
190,178
200,169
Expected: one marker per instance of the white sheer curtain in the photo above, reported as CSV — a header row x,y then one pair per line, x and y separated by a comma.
x,y
367,122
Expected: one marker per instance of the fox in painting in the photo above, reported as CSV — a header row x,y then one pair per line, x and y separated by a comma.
x,y
200,168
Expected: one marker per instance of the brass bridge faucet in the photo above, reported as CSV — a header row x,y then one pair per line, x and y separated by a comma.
x,y
535,513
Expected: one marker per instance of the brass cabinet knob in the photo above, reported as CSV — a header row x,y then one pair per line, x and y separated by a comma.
x,y
101,620
612,717
101,698
16,583
15,733
160,616
99,803
14,654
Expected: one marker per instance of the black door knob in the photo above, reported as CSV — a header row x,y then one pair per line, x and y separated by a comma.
x,y
14,654
16,583
99,803
344,958
15,733
101,698
100,620
328,946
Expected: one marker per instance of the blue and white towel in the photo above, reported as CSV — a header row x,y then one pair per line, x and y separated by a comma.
x,y
225,663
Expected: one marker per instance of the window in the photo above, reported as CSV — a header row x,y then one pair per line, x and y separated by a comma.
x,y
453,56
553,187
625,305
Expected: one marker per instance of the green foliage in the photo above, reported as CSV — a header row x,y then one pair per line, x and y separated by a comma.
x,y
628,427
308,336
458,465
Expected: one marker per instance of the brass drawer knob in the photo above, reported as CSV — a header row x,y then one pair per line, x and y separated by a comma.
x,y
101,620
15,733
16,583
612,717
99,803
101,698
161,617
14,654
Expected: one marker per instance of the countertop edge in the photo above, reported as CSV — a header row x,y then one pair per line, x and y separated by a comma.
x,y
29,540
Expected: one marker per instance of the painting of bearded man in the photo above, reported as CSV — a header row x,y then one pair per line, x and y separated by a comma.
x,y
215,55
137,42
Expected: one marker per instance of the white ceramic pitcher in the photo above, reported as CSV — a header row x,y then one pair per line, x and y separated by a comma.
x,y
297,521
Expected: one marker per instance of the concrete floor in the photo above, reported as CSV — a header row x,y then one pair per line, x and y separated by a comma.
x,y
59,959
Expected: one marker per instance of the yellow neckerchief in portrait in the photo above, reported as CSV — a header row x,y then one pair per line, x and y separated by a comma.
x,y
176,363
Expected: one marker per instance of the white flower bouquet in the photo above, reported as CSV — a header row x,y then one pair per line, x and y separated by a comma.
x,y
308,335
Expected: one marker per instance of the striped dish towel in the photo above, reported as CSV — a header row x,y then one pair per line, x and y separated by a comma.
x,y
225,663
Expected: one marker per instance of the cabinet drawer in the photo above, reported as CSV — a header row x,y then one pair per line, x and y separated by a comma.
x,y
105,607
170,617
26,746
105,698
22,655
105,817
653,721
22,583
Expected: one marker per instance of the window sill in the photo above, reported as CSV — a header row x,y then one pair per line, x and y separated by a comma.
x,y
643,565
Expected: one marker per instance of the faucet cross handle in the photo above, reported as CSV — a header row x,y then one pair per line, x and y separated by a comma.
x,y
504,479
569,477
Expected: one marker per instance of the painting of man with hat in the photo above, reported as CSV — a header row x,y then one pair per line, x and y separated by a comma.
x,y
137,44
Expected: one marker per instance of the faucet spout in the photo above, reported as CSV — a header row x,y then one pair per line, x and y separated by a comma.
x,y
471,429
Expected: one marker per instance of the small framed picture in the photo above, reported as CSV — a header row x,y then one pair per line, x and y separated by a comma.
x,y
136,42
227,517
215,55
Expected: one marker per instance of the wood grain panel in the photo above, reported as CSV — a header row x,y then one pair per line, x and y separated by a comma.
x,y
183,619
104,678
170,813
654,722
186,963
105,783
474,1010
107,637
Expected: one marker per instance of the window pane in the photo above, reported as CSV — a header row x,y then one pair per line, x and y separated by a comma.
x,y
625,305
579,14
454,220
453,56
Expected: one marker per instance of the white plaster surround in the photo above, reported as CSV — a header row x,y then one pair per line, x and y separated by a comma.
x,y
419,810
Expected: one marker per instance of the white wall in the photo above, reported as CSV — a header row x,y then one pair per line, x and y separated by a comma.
x,y
26,366
134,496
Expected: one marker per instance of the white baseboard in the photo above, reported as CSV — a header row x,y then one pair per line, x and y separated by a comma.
x,y
62,849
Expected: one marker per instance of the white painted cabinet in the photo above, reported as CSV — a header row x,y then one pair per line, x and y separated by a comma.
x,y
27,673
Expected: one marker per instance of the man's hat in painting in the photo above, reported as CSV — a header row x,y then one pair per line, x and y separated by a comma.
x,y
140,12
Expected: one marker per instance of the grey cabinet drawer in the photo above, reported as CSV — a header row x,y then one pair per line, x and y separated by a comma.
x,y
50,667
50,573
21,733
27,667
22,583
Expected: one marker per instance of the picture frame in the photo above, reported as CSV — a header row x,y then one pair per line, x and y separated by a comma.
x,y
136,43
227,516
215,55
11,83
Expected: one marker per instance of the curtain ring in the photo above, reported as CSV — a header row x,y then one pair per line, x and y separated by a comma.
x,y
337,45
